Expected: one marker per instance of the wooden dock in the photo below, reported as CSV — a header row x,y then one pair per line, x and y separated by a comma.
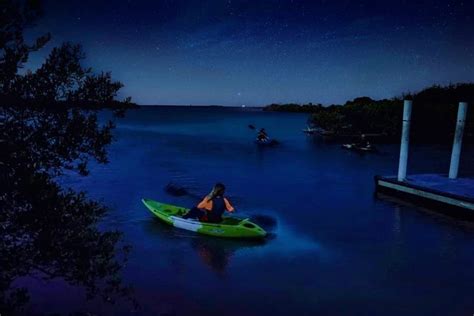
x,y
451,196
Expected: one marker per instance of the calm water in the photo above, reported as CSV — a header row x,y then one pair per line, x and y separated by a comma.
x,y
335,249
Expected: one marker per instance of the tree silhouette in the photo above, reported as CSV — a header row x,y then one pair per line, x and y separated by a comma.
x,y
49,124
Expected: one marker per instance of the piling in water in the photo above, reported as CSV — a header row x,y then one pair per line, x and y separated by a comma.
x,y
402,165
456,153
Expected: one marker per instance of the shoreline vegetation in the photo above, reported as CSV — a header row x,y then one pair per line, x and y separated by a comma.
x,y
433,117
185,106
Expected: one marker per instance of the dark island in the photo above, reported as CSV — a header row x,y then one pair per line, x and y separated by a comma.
x,y
294,107
434,115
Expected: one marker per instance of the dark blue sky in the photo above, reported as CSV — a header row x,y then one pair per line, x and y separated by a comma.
x,y
259,52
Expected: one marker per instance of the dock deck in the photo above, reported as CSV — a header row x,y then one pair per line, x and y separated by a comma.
x,y
452,196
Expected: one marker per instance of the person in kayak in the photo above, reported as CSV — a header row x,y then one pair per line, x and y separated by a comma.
x,y
262,135
363,142
212,206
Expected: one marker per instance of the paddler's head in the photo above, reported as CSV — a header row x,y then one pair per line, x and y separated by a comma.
x,y
218,190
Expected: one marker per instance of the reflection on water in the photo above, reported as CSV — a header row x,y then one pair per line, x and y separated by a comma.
x,y
62,244
447,215
215,253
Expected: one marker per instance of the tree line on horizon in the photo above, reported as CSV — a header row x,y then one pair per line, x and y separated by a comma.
x,y
433,119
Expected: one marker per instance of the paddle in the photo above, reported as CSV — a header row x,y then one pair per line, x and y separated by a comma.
x,y
265,221
179,191
273,142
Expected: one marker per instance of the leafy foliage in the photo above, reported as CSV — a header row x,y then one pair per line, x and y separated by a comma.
x,y
49,124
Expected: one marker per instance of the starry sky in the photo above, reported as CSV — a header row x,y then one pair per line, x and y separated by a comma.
x,y
256,52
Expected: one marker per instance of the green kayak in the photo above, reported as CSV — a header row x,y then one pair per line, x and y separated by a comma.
x,y
230,227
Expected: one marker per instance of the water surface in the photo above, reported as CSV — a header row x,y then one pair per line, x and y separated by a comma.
x,y
334,249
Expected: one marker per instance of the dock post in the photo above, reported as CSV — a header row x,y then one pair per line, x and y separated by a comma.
x,y
456,153
402,165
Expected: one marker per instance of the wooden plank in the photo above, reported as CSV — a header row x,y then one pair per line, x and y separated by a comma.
x,y
427,195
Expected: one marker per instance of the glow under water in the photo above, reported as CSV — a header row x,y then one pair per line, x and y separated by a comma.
x,y
335,248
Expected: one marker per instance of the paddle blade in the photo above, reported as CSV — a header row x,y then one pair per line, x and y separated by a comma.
x,y
175,190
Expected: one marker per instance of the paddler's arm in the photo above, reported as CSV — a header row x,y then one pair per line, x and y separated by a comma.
x,y
228,206
205,204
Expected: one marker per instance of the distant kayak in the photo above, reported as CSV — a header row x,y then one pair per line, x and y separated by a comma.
x,y
311,130
326,133
356,147
230,227
268,142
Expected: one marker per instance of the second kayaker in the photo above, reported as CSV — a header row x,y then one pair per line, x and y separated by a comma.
x,y
262,135
212,206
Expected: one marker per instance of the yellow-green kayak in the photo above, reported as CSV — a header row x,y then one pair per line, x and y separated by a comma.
x,y
230,227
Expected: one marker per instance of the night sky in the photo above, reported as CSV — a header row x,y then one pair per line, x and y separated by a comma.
x,y
259,52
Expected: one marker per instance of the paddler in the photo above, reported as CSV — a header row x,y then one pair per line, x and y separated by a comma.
x,y
211,208
262,135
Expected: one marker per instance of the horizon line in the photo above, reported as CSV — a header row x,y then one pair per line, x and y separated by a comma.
x,y
205,105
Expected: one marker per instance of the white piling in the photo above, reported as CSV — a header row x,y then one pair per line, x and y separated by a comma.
x,y
456,153
402,165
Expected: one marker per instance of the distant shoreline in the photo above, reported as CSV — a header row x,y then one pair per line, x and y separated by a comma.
x,y
200,106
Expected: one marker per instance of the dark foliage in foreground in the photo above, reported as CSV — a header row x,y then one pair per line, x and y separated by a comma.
x,y
434,114
49,124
